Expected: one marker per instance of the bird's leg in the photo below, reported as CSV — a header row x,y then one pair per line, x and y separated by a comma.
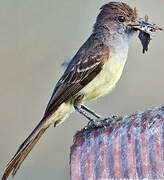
x,y
90,111
80,108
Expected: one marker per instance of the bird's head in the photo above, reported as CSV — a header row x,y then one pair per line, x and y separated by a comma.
x,y
118,17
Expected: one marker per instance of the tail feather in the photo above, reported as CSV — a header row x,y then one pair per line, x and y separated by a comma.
x,y
24,150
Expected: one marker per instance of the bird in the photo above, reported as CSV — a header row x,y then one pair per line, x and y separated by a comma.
x,y
93,72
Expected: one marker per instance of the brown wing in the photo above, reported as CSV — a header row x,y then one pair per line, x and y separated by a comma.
x,y
85,65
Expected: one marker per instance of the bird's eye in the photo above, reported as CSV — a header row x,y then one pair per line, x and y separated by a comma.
x,y
121,18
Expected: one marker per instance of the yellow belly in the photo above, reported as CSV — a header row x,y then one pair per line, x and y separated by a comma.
x,y
105,81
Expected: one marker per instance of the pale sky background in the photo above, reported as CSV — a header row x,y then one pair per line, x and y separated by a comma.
x,y
35,38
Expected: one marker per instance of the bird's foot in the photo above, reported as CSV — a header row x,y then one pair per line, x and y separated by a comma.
x,y
103,122
99,122
115,117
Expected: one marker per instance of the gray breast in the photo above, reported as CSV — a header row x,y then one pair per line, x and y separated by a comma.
x,y
118,43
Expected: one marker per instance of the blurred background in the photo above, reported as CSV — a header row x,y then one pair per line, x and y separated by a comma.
x,y
35,38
